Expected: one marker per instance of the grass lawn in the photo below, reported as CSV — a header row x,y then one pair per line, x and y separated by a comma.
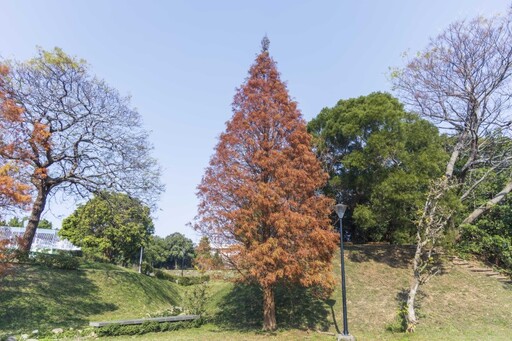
x,y
41,298
456,305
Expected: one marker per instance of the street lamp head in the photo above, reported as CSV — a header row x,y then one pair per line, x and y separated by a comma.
x,y
340,210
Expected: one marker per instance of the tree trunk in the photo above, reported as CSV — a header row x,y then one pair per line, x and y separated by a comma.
x,y
269,309
484,208
33,221
455,155
411,297
411,314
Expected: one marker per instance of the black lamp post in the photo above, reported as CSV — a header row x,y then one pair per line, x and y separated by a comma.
x,y
340,211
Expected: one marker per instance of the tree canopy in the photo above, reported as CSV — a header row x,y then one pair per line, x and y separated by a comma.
x,y
259,194
380,159
75,134
111,226
179,249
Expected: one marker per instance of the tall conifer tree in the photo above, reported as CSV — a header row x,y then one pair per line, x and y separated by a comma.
x,y
260,192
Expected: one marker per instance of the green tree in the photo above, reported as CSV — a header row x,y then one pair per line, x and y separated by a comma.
x,y
111,226
45,224
155,252
491,235
380,159
15,222
180,250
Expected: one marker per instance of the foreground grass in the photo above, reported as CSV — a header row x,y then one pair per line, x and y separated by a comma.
x,y
41,298
457,305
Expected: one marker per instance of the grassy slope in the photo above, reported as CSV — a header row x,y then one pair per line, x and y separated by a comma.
x,y
458,305
40,298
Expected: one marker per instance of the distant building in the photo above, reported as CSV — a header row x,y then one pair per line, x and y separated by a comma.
x,y
44,239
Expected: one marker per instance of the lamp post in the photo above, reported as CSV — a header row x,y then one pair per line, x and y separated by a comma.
x,y
340,211
182,260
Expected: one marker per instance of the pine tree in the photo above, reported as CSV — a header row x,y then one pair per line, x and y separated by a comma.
x,y
260,196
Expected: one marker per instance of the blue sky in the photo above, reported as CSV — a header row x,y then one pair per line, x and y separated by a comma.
x,y
182,60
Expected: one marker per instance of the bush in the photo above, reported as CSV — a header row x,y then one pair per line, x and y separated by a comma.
x,y
147,327
57,261
195,299
181,280
147,269
493,246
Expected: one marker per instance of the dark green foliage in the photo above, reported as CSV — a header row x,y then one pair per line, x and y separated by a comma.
x,y
147,327
147,269
110,226
56,261
491,236
45,224
173,252
296,307
15,222
155,252
180,250
380,159
181,280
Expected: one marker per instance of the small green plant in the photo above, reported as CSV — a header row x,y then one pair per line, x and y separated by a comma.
x,y
196,297
399,325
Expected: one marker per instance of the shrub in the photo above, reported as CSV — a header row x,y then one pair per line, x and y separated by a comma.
x,y
181,280
147,269
196,298
57,261
147,327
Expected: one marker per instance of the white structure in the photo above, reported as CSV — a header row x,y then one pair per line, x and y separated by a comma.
x,y
44,239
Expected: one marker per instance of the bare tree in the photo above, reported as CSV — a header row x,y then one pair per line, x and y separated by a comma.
x,y
76,135
461,82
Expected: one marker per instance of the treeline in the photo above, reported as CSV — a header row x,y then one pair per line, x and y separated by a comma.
x,y
114,228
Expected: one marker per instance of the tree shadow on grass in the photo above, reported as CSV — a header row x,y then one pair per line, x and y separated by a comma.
x,y
296,307
36,298
396,256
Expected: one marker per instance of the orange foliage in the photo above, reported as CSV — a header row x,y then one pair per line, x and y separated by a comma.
x,y
206,259
12,191
8,108
260,191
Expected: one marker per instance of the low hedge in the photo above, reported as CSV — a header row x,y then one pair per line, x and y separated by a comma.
x,y
56,261
146,327
181,280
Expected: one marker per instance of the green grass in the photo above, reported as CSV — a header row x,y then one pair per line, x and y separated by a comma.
x,y
41,298
457,305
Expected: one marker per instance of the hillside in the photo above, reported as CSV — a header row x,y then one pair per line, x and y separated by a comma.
x,y
456,305
41,298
